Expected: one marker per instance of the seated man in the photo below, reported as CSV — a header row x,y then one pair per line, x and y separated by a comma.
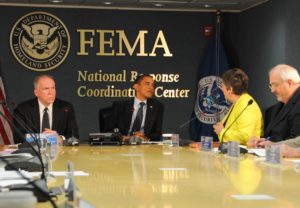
x,y
45,113
141,116
282,119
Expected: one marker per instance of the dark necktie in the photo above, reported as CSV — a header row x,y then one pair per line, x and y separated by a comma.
x,y
138,119
45,121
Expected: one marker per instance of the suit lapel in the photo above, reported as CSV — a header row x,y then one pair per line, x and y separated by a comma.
x,y
281,112
36,116
277,116
128,113
55,114
149,116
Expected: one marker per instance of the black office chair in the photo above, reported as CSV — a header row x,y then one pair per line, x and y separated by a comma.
x,y
105,119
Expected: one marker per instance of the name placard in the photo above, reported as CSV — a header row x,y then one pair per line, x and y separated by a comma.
x,y
50,138
233,149
273,154
206,143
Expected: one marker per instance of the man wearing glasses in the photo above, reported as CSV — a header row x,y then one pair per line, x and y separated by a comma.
x,y
283,119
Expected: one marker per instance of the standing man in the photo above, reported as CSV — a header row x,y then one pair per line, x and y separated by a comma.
x,y
141,116
45,113
284,117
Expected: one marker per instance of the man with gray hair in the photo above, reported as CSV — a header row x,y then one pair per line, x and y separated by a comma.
x,y
45,113
284,117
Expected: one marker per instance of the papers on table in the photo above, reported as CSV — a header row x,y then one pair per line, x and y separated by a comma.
x,y
14,177
64,173
253,197
152,142
7,175
16,156
260,152
5,183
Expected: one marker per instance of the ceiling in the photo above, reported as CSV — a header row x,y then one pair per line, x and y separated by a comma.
x,y
164,5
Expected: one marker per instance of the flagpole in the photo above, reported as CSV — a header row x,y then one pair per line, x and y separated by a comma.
x,y
217,59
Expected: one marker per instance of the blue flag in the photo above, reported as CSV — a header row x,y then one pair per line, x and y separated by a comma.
x,y
210,104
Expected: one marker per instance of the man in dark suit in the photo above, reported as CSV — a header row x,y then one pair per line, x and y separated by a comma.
x,y
45,113
126,113
283,119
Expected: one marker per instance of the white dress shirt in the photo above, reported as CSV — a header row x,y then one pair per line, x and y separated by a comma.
x,y
136,106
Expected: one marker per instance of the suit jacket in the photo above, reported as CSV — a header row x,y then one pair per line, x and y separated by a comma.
x,y
243,121
284,120
122,115
63,119
268,114
295,142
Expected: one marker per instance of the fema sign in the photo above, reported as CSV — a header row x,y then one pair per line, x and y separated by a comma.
x,y
210,104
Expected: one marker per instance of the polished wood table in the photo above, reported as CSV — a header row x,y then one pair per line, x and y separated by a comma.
x,y
156,176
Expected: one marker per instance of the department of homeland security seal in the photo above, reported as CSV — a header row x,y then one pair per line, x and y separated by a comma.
x,y
211,104
40,41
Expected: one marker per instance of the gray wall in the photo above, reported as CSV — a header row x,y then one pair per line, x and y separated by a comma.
x,y
263,37
259,38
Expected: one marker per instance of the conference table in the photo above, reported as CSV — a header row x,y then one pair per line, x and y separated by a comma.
x,y
161,176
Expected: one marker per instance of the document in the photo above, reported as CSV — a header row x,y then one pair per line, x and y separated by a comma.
x,y
16,156
260,152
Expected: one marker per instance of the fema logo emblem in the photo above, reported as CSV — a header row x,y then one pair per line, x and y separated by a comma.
x,y
40,41
211,102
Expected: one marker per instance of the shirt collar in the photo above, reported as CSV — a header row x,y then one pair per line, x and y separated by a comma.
x,y
42,107
138,101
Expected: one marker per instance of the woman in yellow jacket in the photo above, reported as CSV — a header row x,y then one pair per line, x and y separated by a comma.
x,y
244,119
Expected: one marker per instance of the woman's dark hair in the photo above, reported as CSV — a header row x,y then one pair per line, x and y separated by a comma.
x,y
237,79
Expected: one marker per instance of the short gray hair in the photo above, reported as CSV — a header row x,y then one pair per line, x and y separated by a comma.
x,y
286,72
37,79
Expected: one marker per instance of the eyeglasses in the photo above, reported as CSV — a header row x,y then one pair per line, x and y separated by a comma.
x,y
274,85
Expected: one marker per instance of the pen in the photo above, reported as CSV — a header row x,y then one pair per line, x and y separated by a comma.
x,y
267,138
262,142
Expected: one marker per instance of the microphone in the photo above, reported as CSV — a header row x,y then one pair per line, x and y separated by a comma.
x,y
185,142
24,126
38,188
223,149
25,164
186,123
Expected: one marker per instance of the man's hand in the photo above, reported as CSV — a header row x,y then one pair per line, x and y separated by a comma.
x,y
136,134
254,142
287,151
125,139
59,138
140,135
195,145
